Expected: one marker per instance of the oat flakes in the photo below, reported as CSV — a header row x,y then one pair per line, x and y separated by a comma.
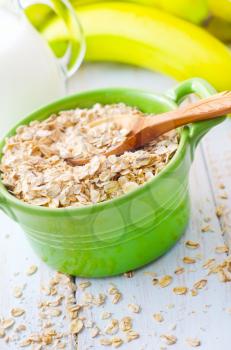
x,y
191,244
35,166
134,308
180,290
158,317
132,335
169,339
200,284
165,281
189,260
193,342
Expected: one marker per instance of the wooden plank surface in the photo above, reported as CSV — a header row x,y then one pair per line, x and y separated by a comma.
x,y
205,316
16,257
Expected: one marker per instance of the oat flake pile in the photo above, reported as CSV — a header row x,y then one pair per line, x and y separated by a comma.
x,y
35,170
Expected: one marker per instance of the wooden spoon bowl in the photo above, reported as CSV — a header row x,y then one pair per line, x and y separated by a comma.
x,y
142,130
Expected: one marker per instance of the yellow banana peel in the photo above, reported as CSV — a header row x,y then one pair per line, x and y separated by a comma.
x,y
146,37
221,9
220,28
195,11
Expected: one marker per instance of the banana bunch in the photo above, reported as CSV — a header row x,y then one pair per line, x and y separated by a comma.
x,y
147,37
214,15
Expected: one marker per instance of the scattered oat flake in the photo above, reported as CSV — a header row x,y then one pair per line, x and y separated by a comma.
x,y
31,270
224,196
116,298
189,260
24,343
129,274
76,326
20,328
155,281
117,342
192,245
194,292
2,332
222,249
206,228
219,211
112,327
208,263
55,312
165,281
229,266
17,292
17,312
200,284
88,298
126,324
193,342
223,276
7,323
179,270
132,335
134,308
94,332
180,290
84,285
158,317
112,290
105,315
169,339
99,299
105,341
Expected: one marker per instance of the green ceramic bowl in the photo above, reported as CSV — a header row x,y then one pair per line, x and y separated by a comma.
x,y
127,232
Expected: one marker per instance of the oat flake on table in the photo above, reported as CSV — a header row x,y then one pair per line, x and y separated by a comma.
x,y
34,168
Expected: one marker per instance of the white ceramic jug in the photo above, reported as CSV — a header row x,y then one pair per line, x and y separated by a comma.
x,y
30,74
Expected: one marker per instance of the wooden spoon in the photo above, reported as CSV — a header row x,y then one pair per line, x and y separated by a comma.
x,y
144,129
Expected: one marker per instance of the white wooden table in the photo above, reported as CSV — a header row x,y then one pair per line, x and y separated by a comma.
x,y
206,316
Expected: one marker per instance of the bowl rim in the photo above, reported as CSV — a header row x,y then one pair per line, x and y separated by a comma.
x,y
10,198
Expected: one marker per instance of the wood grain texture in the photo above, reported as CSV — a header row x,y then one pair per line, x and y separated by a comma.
x,y
16,256
203,316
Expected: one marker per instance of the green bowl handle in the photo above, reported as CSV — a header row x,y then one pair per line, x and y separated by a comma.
x,y
203,89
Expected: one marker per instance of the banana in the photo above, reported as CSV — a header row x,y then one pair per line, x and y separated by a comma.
x,y
221,29
146,37
221,9
195,11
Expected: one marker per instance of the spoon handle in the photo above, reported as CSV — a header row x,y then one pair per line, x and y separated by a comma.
x,y
212,107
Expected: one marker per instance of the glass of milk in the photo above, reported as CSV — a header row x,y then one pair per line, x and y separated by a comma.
x,y
30,74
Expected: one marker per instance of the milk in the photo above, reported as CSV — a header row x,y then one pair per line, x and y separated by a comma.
x,y
29,74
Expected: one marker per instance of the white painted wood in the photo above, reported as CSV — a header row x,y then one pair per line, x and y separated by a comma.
x,y
202,316
217,156
16,256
